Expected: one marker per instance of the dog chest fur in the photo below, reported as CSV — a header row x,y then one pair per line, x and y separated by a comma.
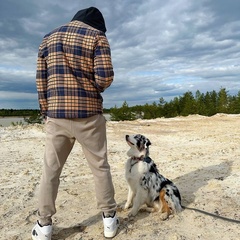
x,y
134,170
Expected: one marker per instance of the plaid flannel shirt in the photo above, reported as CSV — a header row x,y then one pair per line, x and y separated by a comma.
x,y
74,66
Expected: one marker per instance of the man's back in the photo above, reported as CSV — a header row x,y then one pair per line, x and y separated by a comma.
x,y
74,67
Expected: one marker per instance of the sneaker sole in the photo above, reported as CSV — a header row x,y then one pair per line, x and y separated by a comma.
x,y
110,234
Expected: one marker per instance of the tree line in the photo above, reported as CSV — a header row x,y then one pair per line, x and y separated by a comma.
x,y
18,112
30,116
25,112
206,104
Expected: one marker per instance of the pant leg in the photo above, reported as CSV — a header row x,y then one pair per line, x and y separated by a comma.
x,y
91,133
59,143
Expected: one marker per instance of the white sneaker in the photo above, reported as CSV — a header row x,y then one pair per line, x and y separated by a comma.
x,y
110,225
42,233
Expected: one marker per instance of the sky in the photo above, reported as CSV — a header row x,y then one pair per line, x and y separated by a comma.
x,y
160,49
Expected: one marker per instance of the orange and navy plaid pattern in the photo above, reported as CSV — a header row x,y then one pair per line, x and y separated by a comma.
x,y
74,66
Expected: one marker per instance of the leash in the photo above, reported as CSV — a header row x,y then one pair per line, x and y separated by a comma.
x,y
212,215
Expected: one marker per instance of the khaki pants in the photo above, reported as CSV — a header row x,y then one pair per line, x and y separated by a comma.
x,y
60,137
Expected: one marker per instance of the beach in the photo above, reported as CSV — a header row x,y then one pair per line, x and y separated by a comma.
x,y
201,155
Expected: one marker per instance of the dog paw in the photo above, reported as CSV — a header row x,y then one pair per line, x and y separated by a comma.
x,y
127,206
132,213
164,216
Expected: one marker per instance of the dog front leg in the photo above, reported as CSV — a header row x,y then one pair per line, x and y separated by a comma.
x,y
130,197
138,201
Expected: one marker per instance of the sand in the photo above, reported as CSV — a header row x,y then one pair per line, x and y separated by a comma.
x,y
200,154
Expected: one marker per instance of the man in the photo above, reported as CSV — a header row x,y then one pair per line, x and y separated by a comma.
x,y
73,68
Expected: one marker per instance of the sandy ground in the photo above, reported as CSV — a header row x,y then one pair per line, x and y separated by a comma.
x,y
200,154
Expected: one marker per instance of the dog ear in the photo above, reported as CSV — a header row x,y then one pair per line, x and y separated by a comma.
x,y
148,143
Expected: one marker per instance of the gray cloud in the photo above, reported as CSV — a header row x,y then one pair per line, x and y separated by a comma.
x,y
159,48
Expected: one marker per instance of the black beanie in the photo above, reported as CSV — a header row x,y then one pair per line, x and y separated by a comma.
x,y
91,16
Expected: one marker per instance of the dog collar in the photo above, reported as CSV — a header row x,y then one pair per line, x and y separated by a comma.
x,y
132,164
137,158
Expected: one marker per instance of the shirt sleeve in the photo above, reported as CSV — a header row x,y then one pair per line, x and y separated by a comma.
x,y
41,80
103,68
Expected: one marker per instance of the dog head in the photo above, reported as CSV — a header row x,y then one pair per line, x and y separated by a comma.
x,y
139,145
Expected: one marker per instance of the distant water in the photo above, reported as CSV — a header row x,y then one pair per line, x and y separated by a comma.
x,y
7,121
107,116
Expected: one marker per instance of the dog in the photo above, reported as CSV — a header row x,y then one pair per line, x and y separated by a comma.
x,y
146,185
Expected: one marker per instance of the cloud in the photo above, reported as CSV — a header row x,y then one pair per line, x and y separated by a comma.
x,y
18,100
159,48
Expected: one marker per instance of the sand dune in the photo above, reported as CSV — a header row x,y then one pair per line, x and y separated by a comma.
x,y
200,154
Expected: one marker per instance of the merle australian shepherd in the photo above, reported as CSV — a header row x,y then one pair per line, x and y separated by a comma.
x,y
146,184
